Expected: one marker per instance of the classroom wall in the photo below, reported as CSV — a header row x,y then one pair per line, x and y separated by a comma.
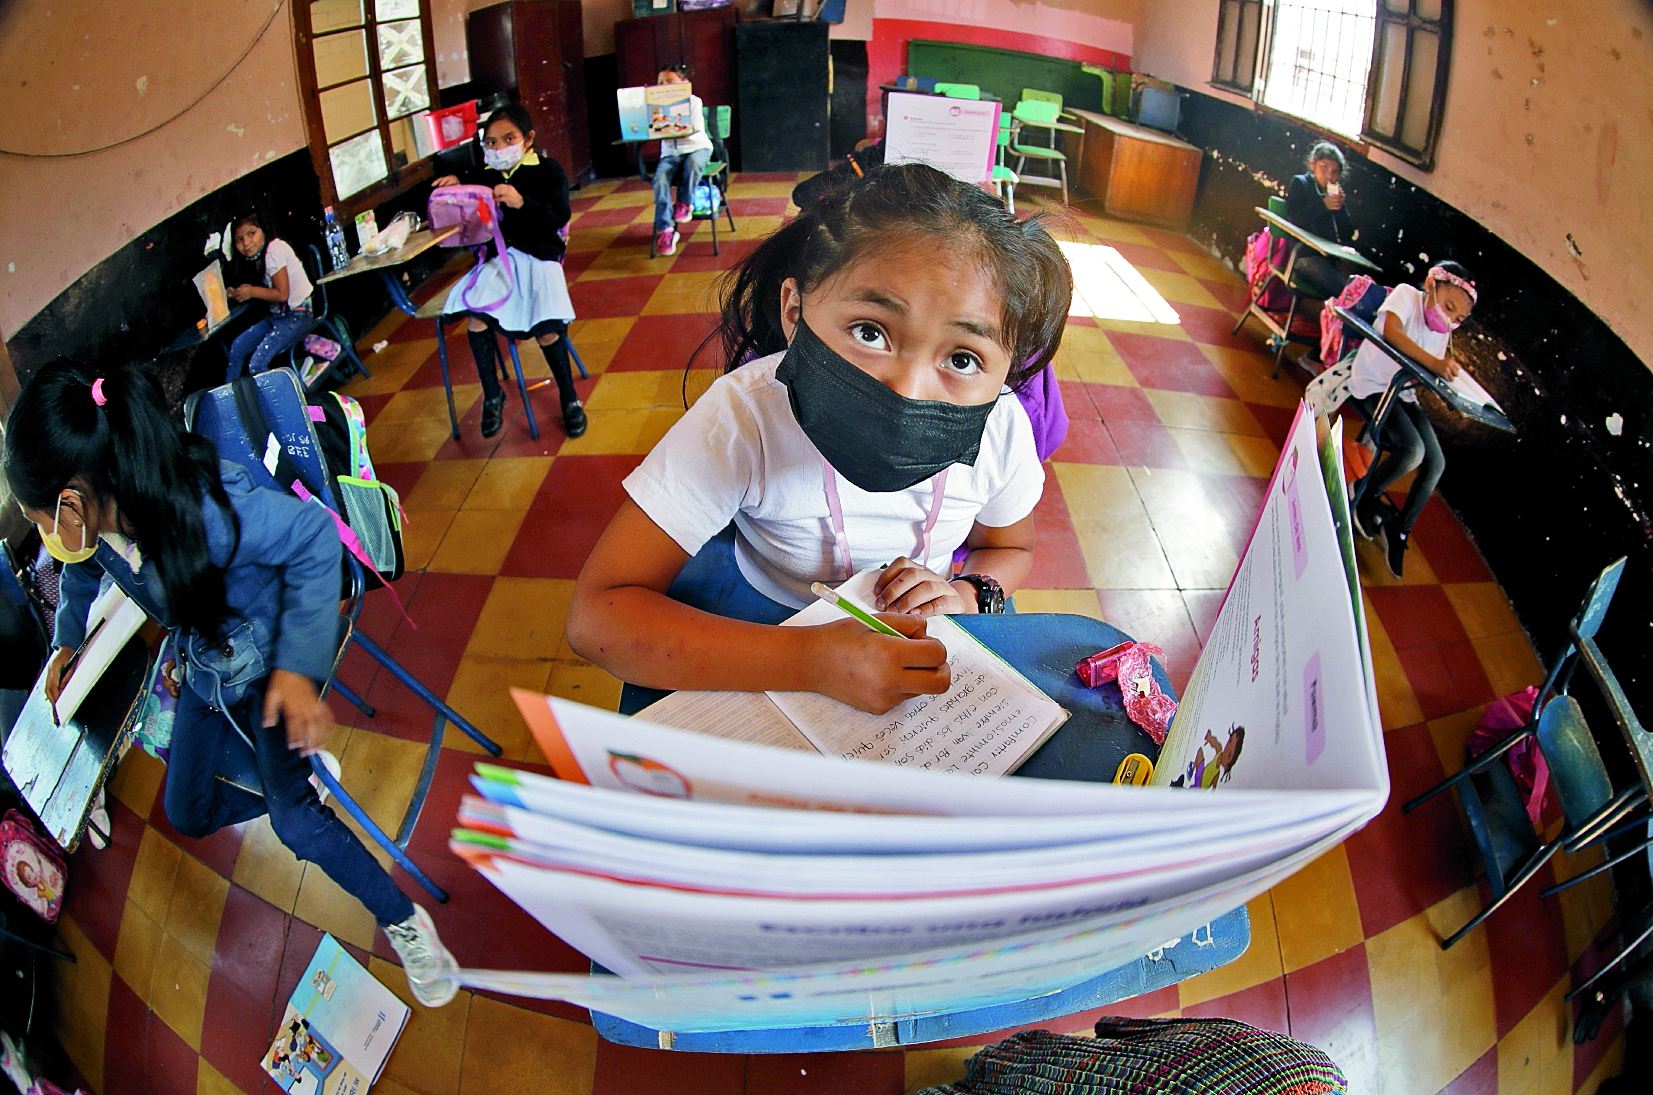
x,y
1547,139
453,60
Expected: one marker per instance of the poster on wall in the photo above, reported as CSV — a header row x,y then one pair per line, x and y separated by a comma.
x,y
957,136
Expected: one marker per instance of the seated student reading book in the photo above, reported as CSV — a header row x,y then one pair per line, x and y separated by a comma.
x,y
874,427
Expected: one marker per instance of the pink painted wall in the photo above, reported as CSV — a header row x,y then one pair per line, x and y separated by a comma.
x,y
1547,139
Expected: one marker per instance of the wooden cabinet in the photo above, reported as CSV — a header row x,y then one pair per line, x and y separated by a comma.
x,y
534,50
1139,173
702,40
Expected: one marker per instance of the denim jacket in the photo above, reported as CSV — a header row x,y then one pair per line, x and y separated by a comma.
x,y
281,585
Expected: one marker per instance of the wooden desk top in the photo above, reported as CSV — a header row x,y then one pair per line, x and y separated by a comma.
x,y
1130,129
1319,243
418,243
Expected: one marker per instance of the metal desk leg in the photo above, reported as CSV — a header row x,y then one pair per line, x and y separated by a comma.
x,y
398,295
447,381
1375,427
522,388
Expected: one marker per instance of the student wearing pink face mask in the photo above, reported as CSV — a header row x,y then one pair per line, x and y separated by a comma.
x,y
1418,323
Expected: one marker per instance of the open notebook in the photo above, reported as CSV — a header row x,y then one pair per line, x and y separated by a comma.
x,y
990,721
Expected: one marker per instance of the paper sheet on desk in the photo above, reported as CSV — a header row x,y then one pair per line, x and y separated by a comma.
x,y
1470,388
110,622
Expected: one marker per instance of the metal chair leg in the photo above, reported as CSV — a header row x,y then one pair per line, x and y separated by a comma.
x,y
344,690
1598,869
378,654
522,388
380,837
1539,858
447,381
1285,337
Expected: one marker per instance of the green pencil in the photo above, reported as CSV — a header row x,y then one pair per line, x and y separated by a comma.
x,y
832,597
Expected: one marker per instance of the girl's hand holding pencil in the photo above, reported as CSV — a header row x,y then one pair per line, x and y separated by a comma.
x,y
874,671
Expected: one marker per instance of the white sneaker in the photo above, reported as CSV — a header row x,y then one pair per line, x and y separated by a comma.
x,y
331,763
430,969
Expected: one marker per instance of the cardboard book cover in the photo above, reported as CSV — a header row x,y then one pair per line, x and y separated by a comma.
x,y
338,1030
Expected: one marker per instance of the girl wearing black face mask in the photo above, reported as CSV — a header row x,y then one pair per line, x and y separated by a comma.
x,y
885,323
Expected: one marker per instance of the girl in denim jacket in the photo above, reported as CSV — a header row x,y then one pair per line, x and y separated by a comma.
x,y
247,577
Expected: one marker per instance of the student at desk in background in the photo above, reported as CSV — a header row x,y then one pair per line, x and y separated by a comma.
x,y
691,153
1315,203
1418,323
874,427
286,290
248,578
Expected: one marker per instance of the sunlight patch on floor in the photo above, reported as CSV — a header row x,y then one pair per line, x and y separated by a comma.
x,y
1107,287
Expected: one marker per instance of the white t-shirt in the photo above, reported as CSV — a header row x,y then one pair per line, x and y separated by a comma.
x,y
739,453
279,255
1374,368
694,142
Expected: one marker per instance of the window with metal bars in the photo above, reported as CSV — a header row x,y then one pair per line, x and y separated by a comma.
x,y
367,72
1372,68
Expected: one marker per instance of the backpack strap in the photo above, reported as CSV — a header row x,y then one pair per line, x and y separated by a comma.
x,y
492,215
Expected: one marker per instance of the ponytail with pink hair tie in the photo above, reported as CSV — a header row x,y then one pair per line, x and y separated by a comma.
x,y
97,392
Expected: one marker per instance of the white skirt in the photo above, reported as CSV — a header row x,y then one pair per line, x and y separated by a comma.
x,y
538,299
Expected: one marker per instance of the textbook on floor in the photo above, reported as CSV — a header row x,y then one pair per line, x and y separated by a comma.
x,y
338,1030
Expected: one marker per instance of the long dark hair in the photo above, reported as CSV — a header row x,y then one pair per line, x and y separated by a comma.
x,y
130,452
517,115
892,205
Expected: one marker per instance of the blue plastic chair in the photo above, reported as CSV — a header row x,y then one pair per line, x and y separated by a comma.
x,y
1511,851
281,398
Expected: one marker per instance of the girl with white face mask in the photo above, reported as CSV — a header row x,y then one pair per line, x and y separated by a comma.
x,y
532,193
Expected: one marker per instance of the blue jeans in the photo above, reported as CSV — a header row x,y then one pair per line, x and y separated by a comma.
x,y
197,803
694,163
254,348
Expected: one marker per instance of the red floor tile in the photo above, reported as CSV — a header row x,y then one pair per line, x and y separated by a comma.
x,y
756,207
170,1066
251,936
96,897
217,850
694,255
1172,241
1145,256
576,263
1203,606
401,478
1087,442
371,406
1431,681
1169,364
1529,950
666,342
398,710
1451,553
239,1030
866,1073
1401,863
607,218
1239,499
1076,400
1146,1006
1331,1007
1213,326
1276,421
631,1070
302,941
612,297
1119,403
1146,445
1231,296
1468,676
1417,615
1155,616
574,505
125,1040
1057,561
464,918
1480,1078
1263,1006
578,205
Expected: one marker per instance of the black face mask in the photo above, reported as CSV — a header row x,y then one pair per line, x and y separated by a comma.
x,y
876,438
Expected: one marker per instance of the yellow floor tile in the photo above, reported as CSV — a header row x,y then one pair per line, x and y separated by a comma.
x,y
443,485
684,293
1203,412
323,904
422,534
1451,735
136,950
1204,266
1587,906
1611,1065
508,482
1397,704
1375,572
81,988
1482,608
1410,973
477,541
152,873
265,867
424,404
1087,355
137,780
513,1049
625,200
380,772
1257,455
1209,452
1509,662
1191,532
391,367
758,228
1259,963
639,390
179,992
424,1057
481,692
1113,231
595,332
583,683
595,239
522,618
1316,913
1427,1052
1533,1044
1119,546
1179,288
622,432
738,189
209,1081
407,442
1248,374
197,904
923,1068
1133,327
1076,602
625,262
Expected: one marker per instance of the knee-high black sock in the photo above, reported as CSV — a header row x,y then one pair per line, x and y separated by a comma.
x,y
486,353
556,356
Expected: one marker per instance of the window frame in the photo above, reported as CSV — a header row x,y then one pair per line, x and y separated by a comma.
x,y
1422,157
1265,24
397,179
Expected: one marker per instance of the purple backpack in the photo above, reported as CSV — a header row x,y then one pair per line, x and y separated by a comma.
x,y
475,212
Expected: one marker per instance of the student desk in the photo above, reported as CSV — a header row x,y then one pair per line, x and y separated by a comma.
x,y
198,335
1089,746
1139,173
1279,334
58,769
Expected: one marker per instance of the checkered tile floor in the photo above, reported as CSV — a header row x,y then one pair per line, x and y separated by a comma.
x,y
189,949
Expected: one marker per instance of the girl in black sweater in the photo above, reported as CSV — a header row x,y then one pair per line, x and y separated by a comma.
x,y
532,193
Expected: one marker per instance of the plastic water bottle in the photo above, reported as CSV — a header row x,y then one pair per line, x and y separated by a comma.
x,y
335,241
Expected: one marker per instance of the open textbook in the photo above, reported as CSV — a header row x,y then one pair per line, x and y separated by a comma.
x,y
338,1030
730,885
988,722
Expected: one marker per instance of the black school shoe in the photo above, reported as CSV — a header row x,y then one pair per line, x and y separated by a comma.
x,y
1368,516
1394,549
493,414
573,420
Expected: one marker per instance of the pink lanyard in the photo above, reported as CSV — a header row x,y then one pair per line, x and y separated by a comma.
x,y
938,488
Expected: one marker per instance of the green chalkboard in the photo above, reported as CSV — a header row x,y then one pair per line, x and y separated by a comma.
x,y
1004,72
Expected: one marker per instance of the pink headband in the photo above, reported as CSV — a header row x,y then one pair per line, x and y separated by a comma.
x,y
1437,273
97,392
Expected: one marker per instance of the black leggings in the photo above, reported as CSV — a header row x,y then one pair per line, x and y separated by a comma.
x,y
1408,442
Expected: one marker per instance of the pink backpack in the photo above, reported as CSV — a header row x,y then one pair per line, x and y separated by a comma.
x,y
1261,250
474,211
33,865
